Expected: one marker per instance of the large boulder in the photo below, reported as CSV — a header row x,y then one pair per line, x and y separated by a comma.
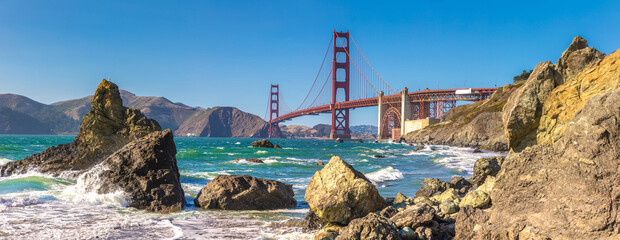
x,y
414,216
485,167
147,170
568,190
372,226
338,193
243,192
106,127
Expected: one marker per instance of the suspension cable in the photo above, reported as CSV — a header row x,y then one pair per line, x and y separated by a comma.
x,y
373,69
324,84
317,74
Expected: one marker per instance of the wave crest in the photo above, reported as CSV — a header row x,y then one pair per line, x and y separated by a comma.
x,y
384,174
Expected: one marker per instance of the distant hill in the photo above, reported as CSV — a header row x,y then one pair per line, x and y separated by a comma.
x,y
21,115
324,130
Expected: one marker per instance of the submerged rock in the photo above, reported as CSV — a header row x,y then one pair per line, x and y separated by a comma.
x,y
338,193
106,127
263,143
372,226
147,170
243,192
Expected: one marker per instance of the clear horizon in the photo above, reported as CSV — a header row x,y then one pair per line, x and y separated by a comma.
x,y
211,54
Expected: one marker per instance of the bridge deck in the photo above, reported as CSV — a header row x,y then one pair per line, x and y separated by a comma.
x,y
419,96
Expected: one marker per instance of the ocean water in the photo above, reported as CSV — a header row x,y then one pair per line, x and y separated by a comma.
x,y
38,206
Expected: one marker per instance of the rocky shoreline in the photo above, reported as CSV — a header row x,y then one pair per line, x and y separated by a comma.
x,y
560,179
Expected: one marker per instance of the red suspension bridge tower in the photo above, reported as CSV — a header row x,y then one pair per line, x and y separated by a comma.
x,y
274,106
340,81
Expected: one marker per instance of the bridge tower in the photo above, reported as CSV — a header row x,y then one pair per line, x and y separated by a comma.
x,y
340,117
274,106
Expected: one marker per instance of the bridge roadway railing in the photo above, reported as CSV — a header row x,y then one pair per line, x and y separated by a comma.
x,y
419,96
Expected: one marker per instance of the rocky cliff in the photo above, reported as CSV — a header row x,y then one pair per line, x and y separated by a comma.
x,y
561,179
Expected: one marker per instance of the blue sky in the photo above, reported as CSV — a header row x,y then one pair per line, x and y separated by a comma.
x,y
226,53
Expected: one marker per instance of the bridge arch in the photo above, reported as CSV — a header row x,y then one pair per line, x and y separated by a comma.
x,y
390,121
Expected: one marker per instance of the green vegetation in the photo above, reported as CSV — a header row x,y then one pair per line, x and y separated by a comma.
x,y
523,76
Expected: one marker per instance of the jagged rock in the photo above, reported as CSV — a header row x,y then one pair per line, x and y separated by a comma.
x,y
485,167
263,143
414,216
523,109
468,221
106,127
419,148
400,198
576,58
319,163
312,222
568,190
476,198
338,140
460,184
277,146
338,193
147,170
372,226
243,192
567,99
379,156
477,150
431,186
388,212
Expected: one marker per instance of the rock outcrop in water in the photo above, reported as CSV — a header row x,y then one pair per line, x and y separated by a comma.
x,y
338,193
147,170
243,192
106,127
118,148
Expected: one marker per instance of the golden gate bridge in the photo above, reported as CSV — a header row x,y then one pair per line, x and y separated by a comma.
x,y
364,87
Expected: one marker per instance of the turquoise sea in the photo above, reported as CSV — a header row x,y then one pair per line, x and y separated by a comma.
x,y
38,206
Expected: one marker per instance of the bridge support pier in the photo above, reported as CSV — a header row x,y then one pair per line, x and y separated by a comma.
x,y
405,110
382,109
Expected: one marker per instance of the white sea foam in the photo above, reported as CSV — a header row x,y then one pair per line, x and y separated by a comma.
x,y
261,152
384,174
190,188
85,190
461,158
238,143
220,148
206,175
12,202
4,161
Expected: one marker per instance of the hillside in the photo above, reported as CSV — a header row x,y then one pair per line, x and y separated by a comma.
x,y
21,115
324,130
